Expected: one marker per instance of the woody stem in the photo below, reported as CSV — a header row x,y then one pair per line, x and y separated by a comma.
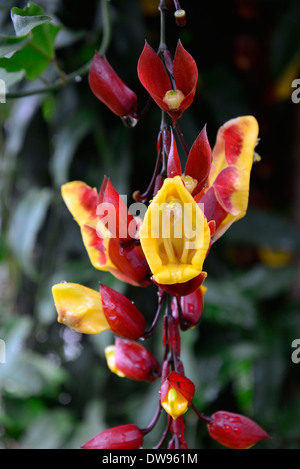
x,y
162,8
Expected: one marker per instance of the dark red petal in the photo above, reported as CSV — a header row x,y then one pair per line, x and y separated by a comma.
x,y
135,361
235,431
199,161
108,87
121,314
182,289
213,210
122,223
132,265
185,70
174,165
122,437
153,75
102,190
185,75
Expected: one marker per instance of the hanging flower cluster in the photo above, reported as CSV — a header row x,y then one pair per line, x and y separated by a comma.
x,y
187,210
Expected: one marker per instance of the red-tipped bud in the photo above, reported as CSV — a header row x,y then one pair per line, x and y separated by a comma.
x,y
176,394
130,359
121,314
122,437
108,87
235,431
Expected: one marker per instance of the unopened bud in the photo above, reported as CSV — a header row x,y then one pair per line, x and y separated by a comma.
x,y
235,431
131,360
122,316
121,437
180,17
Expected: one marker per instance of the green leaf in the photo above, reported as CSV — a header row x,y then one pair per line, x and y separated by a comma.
x,y
25,225
28,18
10,44
35,57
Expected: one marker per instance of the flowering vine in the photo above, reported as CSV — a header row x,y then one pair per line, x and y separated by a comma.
x,y
186,211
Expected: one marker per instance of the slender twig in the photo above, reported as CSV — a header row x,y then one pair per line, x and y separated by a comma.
x,y
199,414
145,196
184,324
165,434
156,318
153,421
181,138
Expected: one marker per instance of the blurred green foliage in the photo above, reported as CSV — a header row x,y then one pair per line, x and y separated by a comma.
x,y
56,390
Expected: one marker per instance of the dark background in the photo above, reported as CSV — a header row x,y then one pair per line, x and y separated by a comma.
x,y
56,389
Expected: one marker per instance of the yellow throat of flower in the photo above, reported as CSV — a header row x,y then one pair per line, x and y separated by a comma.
x,y
173,99
176,245
189,183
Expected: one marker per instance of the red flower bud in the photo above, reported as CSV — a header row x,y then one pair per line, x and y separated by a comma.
x,y
123,437
108,87
176,394
121,314
235,431
134,361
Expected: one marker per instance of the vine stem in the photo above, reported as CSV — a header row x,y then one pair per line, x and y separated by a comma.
x,y
153,421
76,76
199,414
181,138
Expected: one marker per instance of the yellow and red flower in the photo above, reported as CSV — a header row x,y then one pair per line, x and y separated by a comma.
x,y
176,97
89,312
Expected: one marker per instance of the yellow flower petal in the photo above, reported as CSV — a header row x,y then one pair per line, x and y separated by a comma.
x,y
79,308
110,355
81,201
174,235
175,404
